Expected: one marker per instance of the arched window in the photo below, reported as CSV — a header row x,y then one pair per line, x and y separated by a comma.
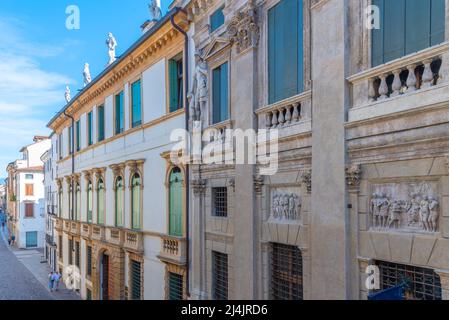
x,y
100,202
78,202
71,211
60,202
119,202
89,202
136,187
175,203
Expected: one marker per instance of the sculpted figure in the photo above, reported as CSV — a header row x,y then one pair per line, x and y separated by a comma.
x,y
86,75
384,209
433,219
155,11
112,44
285,206
298,206
375,210
413,210
275,206
67,94
291,207
199,89
424,213
395,214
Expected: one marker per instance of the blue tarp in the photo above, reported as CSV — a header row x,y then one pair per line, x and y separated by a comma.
x,y
394,293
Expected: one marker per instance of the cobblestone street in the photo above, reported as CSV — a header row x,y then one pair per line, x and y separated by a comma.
x,y
17,282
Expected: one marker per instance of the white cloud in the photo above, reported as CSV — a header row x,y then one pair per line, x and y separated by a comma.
x,y
27,90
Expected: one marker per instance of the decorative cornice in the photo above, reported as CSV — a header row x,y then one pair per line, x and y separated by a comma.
x,y
243,29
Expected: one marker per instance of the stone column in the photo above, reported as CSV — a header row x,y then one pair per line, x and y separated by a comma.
x,y
444,277
198,270
329,227
243,32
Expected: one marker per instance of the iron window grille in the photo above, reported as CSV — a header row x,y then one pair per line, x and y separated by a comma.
x,y
422,283
220,201
286,273
219,276
136,280
175,286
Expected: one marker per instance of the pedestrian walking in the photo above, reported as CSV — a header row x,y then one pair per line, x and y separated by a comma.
x,y
51,281
9,240
57,279
13,239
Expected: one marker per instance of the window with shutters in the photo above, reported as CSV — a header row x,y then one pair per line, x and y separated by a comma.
x,y
60,202
175,286
100,202
70,144
90,138
29,176
286,273
29,210
176,78
119,114
78,135
136,104
285,50
89,202
89,261
78,202
60,246
77,254
220,202
100,120
406,26
219,276
119,190
71,211
419,283
175,203
29,190
60,153
216,19
70,251
136,186
136,280
220,94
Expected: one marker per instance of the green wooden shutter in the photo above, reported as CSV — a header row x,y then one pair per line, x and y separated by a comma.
x,y
216,99
137,106
89,203
173,82
224,92
216,19
285,50
136,202
78,203
100,202
175,216
437,23
394,33
377,37
78,136
417,25
119,113
100,123
119,204
89,128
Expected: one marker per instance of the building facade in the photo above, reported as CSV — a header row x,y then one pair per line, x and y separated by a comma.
x,y
120,226
51,200
26,196
362,172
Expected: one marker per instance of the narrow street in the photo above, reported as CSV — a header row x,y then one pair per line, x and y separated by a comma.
x,y
23,275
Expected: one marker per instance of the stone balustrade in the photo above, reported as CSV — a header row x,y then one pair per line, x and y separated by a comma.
x,y
98,233
173,249
133,241
285,113
86,231
59,224
218,131
115,236
67,226
415,72
75,228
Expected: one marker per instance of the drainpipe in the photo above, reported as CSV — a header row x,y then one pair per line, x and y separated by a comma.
x,y
73,163
187,116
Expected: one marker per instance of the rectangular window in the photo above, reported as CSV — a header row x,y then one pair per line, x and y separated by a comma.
x,y
60,146
136,102
136,280
406,26
60,246
29,176
285,50
90,139
70,251
70,133
77,254
78,135
220,202
219,276
216,19
29,190
420,283
176,71
220,93
29,210
286,273
119,115
89,261
100,117
175,286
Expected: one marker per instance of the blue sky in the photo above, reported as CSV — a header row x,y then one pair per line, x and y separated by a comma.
x,y
39,56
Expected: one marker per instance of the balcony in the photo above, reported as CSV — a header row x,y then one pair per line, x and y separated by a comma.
x,y
133,241
98,233
173,250
115,236
423,72
290,116
86,231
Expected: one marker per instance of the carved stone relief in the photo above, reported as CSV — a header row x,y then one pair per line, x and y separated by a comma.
x,y
285,204
405,206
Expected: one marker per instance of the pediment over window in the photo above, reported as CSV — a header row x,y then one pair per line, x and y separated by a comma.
x,y
217,45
